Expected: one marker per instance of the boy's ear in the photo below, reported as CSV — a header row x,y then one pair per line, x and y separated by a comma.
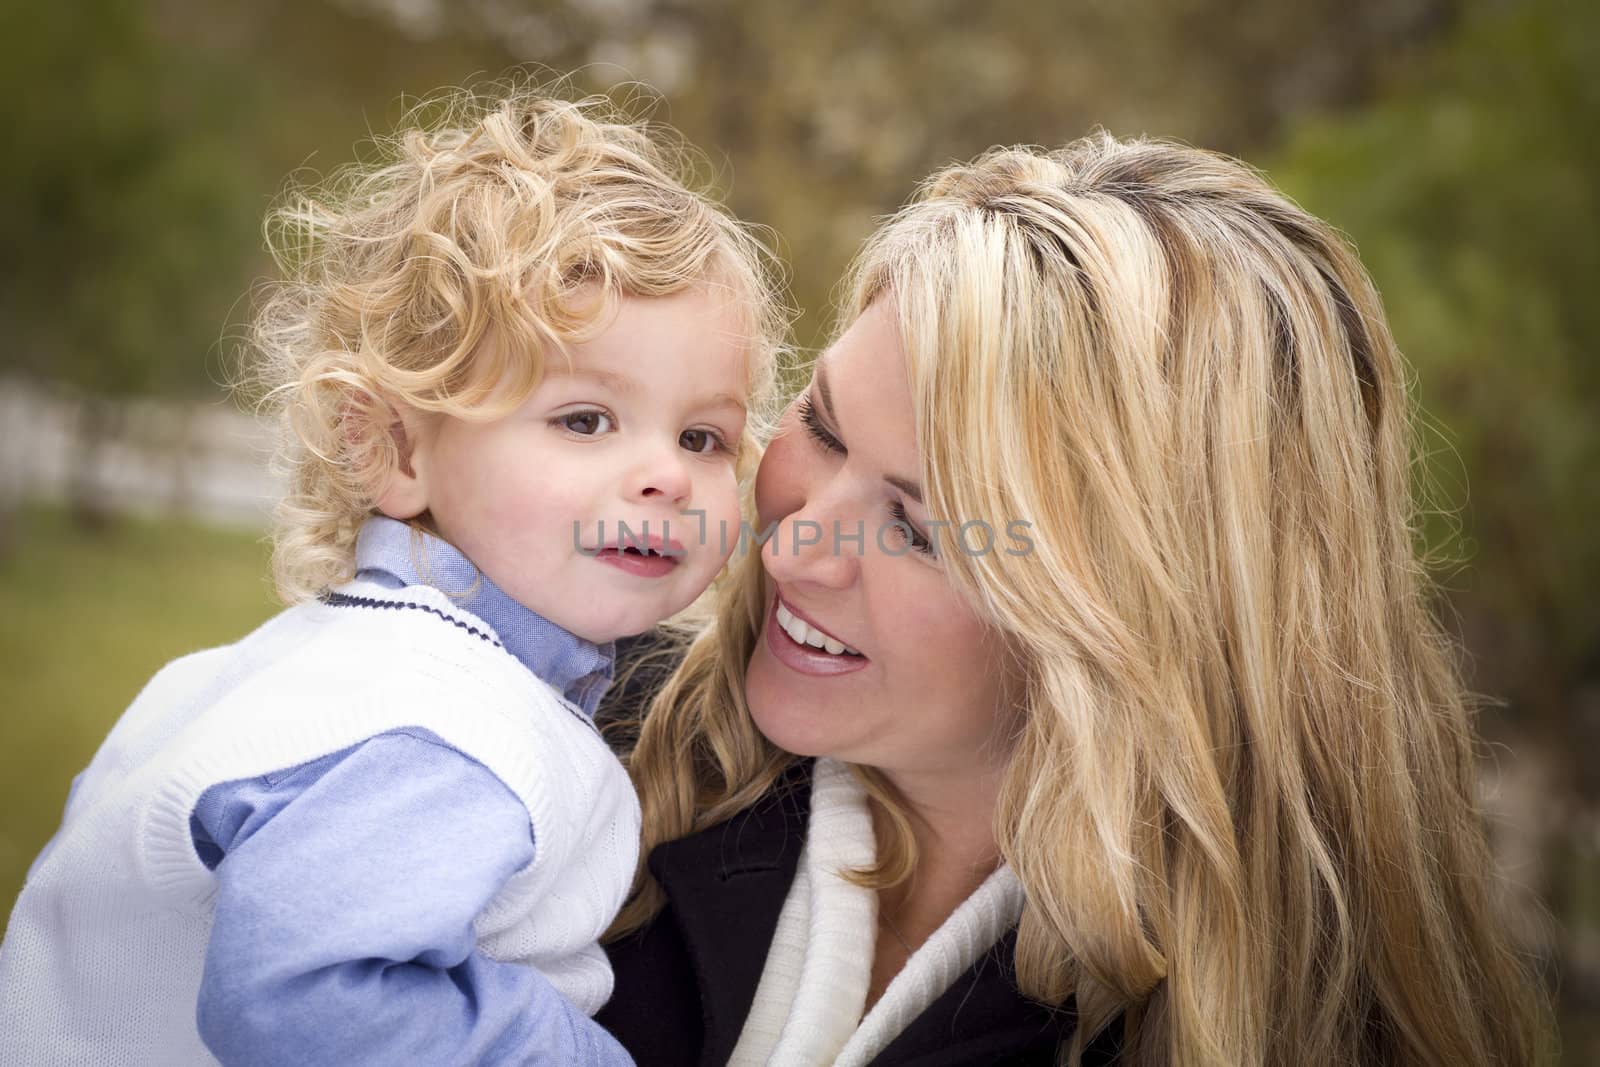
x,y
404,495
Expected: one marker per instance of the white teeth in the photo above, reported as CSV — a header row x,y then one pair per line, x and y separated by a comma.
x,y
805,634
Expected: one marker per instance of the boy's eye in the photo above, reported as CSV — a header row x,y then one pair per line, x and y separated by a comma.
x,y
585,423
700,441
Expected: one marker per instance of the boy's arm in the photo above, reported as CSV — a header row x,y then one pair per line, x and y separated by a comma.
x,y
344,920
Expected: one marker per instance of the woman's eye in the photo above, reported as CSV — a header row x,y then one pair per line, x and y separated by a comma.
x,y
701,441
813,424
585,423
908,532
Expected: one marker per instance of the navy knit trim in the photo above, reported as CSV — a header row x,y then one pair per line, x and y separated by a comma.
x,y
345,600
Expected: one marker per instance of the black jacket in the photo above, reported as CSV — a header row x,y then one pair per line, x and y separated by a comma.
x,y
685,983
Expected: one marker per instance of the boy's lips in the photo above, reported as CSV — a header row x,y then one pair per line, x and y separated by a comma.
x,y
644,541
644,554
633,561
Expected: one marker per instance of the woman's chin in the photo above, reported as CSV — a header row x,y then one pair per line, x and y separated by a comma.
x,y
783,714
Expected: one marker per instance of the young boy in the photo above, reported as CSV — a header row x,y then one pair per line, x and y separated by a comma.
x,y
517,360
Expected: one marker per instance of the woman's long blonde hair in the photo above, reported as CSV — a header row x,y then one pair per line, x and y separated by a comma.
x,y
1241,799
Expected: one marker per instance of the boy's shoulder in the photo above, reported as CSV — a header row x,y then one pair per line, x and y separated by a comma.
x,y
360,661
358,645
358,631
419,644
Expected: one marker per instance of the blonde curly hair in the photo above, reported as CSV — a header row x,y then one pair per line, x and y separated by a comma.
x,y
510,215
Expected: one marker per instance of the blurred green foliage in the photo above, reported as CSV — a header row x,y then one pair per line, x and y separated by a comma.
x,y
1472,189
126,211
148,139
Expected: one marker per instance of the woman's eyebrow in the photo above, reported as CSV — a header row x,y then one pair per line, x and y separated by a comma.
x,y
826,393
909,488
905,485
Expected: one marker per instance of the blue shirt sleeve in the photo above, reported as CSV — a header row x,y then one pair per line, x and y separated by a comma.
x,y
347,890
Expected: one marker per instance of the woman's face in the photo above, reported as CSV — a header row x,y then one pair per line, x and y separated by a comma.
x,y
925,691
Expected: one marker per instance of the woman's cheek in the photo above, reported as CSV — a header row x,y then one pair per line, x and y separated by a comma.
x,y
778,483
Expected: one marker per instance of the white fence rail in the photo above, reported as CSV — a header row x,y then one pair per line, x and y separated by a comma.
x,y
204,459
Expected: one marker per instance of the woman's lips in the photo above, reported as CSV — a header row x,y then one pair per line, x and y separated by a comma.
x,y
804,658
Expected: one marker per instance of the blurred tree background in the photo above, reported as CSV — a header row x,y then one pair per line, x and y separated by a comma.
x,y
1454,140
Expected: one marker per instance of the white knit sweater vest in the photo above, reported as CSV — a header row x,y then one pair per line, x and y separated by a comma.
x,y
808,1004
102,958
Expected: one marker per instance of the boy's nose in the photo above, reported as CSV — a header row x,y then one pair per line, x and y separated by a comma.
x,y
662,476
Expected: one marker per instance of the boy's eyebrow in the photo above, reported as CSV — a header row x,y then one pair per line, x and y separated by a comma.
x,y
725,400
620,383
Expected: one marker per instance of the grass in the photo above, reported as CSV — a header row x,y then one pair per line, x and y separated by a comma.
x,y
86,617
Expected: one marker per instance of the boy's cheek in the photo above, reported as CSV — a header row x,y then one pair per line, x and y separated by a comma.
x,y
727,503
722,525
747,460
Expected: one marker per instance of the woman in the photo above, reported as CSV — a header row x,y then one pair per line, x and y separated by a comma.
x,y
1178,762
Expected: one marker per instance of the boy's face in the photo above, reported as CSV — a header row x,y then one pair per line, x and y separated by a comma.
x,y
641,431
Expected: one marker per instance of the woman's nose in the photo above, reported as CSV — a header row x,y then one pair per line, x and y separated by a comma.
x,y
814,545
798,500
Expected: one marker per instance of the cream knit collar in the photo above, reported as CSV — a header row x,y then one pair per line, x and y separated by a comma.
x,y
808,1005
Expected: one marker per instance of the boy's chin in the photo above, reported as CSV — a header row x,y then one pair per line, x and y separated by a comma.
x,y
629,620
605,633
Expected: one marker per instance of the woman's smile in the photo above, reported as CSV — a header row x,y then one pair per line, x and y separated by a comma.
x,y
798,645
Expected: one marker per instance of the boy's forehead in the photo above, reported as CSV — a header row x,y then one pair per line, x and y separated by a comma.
x,y
695,337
